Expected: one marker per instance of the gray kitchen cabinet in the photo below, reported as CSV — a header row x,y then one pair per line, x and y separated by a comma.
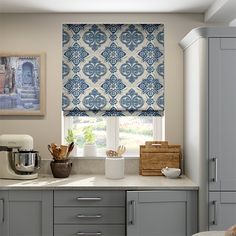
x,y
3,212
89,213
29,213
222,210
161,213
210,113
89,230
222,114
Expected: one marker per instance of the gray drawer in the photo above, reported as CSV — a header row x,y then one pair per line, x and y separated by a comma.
x,y
89,215
91,230
89,198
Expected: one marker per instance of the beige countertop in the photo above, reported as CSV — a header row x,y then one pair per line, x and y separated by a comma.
x,y
130,182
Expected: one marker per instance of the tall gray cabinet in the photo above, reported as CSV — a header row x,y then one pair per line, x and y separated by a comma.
x,y
210,122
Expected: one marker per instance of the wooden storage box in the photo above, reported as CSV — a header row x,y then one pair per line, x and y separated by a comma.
x,y
157,155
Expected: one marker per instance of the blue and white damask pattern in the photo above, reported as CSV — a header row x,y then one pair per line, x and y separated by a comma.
x,y
131,37
150,54
94,37
75,54
113,86
94,69
113,69
113,54
132,101
131,69
94,101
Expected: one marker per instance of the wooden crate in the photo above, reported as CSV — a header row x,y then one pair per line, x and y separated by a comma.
x,y
157,155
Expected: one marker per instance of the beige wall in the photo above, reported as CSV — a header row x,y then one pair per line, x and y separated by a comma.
x,y
43,33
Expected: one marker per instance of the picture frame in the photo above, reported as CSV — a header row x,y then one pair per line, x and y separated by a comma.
x,y
22,84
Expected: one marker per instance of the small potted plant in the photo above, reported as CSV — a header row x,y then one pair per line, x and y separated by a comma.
x,y
90,149
72,138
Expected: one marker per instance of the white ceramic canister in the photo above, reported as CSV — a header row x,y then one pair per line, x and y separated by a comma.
x,y
114,167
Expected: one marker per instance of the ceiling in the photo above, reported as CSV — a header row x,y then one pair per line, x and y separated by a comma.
x,y
214,10
104,5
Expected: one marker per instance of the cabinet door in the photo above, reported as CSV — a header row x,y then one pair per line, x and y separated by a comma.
x,y
222,210
222,114
3,213
30,213
161,213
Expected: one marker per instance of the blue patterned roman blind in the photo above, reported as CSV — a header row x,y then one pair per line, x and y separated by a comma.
x,y
113,69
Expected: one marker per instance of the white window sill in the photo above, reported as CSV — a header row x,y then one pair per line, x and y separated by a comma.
x,y
100,157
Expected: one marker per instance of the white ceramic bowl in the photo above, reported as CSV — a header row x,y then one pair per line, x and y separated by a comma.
x,y
171,172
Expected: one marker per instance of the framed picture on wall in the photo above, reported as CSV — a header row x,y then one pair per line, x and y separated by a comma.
x,y
22,84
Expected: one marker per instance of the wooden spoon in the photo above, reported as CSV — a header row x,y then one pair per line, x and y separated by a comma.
x,y
70,148
121,150
64,150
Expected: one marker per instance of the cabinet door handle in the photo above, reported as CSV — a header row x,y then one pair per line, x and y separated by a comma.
x,y
215,219
2,209
215,160
89,198
89,216
89,233
133,210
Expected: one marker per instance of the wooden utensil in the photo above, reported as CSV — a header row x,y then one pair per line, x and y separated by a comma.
x,y
50,149
56,153
70,148
63,151
121,150
111,153
53,146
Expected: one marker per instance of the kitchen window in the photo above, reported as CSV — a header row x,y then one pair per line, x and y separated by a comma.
x,y
114,131
113,80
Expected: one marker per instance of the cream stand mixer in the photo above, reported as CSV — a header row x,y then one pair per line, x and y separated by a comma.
x,y
18,160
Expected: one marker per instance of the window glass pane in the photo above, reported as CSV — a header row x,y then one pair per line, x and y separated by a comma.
x,y
99,128
131,132
134,131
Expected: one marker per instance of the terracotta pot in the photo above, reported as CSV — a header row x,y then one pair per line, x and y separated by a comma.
x,y
61,168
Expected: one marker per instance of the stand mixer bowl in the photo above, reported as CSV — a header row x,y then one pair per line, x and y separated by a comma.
x,y
26,161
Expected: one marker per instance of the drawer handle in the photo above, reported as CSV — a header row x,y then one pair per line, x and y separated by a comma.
x,y
89,198
89,216
133,209
215,160
215,220
89,233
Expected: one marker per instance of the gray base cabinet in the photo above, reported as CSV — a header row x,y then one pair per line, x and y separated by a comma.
x,y
89,230
161,213
222,210
98,213
89,213
3,213
27,213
